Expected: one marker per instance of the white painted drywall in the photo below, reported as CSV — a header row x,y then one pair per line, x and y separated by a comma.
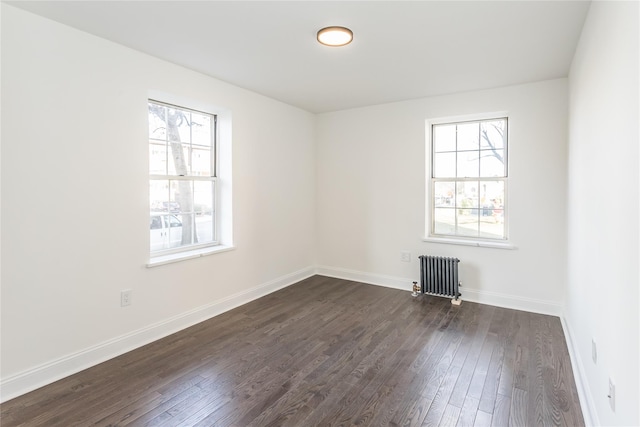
x,y
603,280
75,193
371,185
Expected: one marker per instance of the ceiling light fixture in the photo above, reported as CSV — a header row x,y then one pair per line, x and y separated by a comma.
x,y
335,36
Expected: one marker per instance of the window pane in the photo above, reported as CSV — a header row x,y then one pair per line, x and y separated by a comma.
x,y
157,126
492,192
181,196
468,136
201,162
444,138
443,193
467,222
492,214
158,159
444,221
181,225
467,195
155,222
493,134
492,163
203,197
468,164
158,239
492,195
178,125
444,165
158,195
491,228
179,232
173,221
201,130
178,159
204,229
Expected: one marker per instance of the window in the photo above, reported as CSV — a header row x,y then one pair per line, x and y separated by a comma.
x,y
468,179
182,179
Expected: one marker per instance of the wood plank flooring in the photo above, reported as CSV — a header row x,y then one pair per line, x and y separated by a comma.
x,y
328,352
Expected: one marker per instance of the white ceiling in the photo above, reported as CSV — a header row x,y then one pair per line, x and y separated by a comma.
x,y
401,49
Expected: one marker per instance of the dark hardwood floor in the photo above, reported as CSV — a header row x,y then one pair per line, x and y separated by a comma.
x,y
328,352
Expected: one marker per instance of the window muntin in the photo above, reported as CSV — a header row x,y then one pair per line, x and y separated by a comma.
x,y
468,182
182,178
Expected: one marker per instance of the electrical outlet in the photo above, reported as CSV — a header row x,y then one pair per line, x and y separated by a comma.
x,y
405,256
612,395
125,297
594,351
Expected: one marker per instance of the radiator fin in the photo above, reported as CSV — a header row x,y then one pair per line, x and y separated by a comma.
x,y
439,276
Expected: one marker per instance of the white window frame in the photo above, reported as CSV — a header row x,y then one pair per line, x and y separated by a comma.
x,y
429,235
198,250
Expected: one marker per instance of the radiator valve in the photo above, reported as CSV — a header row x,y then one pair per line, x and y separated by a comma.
x,y
416,289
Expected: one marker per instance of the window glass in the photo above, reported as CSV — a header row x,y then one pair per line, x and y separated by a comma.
x,y
444,165
156,223
445,135
468,164
468,179
468,136
157,158
182,177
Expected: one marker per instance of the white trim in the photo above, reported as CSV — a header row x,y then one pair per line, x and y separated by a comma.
x,y
514,302
368,278
31,379
473,295
476,117
477,243
582,385
181,256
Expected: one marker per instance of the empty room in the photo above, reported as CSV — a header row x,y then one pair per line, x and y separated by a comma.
x,y
310,213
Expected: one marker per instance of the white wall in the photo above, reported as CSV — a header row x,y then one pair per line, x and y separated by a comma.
x,y
75,201
371,204
603,280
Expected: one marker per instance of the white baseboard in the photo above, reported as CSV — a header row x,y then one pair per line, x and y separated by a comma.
x,y
483,297
584,392
369,278
512,301
29,380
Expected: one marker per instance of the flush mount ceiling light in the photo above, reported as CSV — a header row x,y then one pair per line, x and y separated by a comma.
x,y
335,36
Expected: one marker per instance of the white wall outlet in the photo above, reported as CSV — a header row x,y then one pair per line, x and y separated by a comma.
x,y
612,395
405,256
594,351
125,297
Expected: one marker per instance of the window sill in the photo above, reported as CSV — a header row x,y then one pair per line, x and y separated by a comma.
x,y
477,243
181,256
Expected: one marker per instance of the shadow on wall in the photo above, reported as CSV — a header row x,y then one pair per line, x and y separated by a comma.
x,y
469,274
